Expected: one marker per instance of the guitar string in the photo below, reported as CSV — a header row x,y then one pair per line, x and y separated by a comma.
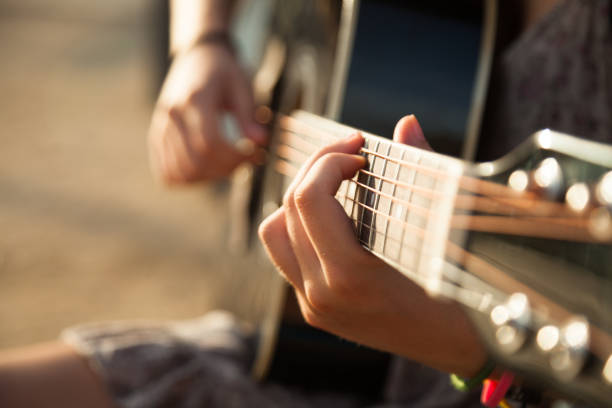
x,y
568,229
451,282
508,205
484,300
467,273
520,201
494,205
468,183
425,192
571,229
525,201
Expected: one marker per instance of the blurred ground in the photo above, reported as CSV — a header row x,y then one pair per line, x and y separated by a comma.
x,y
85,233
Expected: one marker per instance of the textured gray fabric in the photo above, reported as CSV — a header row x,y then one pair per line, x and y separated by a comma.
x,y
557,75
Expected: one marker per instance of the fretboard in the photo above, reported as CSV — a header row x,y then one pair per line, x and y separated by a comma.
x,y
401,203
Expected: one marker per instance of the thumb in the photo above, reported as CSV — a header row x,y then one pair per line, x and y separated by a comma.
x,y
241,101
408,131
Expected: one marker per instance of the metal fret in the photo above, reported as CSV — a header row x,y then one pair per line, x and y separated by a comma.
x,y
412,176
393,191
380,186
367,194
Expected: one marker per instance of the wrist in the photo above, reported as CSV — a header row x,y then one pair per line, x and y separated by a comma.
x,y
216,38
190,18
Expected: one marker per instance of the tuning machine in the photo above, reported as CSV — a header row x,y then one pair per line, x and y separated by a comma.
x,y
567,347
512,320
600,217
603,190
546,179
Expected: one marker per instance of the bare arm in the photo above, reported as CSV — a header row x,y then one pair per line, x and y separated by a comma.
x,y
49,375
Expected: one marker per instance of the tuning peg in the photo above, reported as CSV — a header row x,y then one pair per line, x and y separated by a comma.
x,y
568,347
578,197
607,370
603,190
548,338
519,180
512,320
600,223
548,178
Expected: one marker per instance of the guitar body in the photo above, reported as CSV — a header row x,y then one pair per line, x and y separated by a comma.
x,y
364,63
498,242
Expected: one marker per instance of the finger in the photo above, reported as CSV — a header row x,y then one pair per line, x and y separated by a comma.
x,y
307,257
187,163
171,173
157,162
322,216
241,103
350,144
215,154
408,131
273,234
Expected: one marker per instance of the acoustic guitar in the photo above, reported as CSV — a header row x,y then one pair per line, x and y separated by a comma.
x,y
523,242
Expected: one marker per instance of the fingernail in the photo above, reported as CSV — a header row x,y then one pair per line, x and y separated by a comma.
x,y
245,146
354,136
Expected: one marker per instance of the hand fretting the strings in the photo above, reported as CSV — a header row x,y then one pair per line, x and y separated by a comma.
x,y
381,201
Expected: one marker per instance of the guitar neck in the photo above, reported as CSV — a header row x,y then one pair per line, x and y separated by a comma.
x,y
401,205
413,209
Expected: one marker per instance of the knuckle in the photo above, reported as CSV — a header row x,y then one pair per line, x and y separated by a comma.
x,y
305,196
195,98
201,147
289,199
173,111
318,298
312,318
342,288
265,230
166,178
343,285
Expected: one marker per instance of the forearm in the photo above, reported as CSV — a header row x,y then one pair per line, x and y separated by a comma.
x,y
190,18
49,375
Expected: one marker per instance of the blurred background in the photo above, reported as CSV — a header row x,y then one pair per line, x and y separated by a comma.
x,y
86,234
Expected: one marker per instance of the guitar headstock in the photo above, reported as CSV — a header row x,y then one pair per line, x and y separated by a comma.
x,y
539,240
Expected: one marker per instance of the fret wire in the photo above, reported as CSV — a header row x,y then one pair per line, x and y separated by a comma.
x,y
489,188
429,220
368,151
466,182
510,206
417,209
496,190
427,193
380,187
473,278
394,188
380,183
452,289
288,169
391,218
377,231
422,191
375,196
448,276
412,176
